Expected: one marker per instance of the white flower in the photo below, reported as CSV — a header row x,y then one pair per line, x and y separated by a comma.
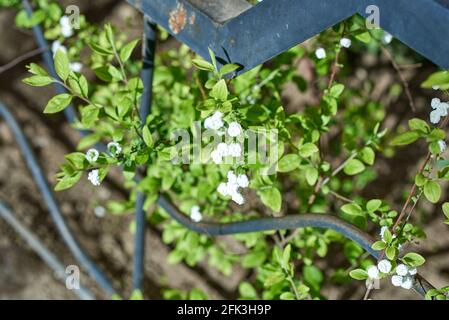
x,y
442,145
223,149
214,122
320,53
223,189
232,177
217,157
345,42
92,155
76,66
66,27
234,129
114,148
435,116
55,46
99,211
384,266
94,177
238,198
435,103
373,272
435,87
195,214
402,270
235,150
412,272
242,181
407,283
387,38
396,280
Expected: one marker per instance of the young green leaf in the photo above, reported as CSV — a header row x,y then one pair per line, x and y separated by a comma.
x,y
358,274
126,50
432,191
203,65
38,81
147,137
352,209
58,103
354,167
307,150
68,181
220,91
311,175
413,259
62,64
405,138
288,163
228,68
271,197
367,155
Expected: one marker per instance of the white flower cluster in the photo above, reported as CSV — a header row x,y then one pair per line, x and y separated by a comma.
x,y
345,42
195,214
92,155
232,186
114,148
404,276
439,110
383,267
66,27
234,130
215,121
320,53
94,177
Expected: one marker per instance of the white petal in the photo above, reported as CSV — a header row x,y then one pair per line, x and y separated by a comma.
x,y
402,270
396,280
373,272
320,53
242,180
384,266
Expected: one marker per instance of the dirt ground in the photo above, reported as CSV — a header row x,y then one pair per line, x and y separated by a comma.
x,y
108,240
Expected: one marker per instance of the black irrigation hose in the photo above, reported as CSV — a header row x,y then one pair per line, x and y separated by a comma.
x,y
55,213
421,286
148,51
321,221
42,251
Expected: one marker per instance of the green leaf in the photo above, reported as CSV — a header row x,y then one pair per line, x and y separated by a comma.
x,y
136,295
203,65
89,115
147,137
352,209
287,296
354,167
288,163
127,50
76,159
405,138
313,276
390,252
274,278
103,73
58,103
432,191
359,274
115,73
68,181
254,259
420,179
37,70
228,68
38,81
439,79
271,197
62,65
337,90
311,175
367,155
220,91
88,141
419,125
373,205
307,150
445,208
413,259
379,245
247,291
100,50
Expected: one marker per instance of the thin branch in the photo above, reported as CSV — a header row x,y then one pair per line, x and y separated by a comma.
x,y
21,58
402,78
